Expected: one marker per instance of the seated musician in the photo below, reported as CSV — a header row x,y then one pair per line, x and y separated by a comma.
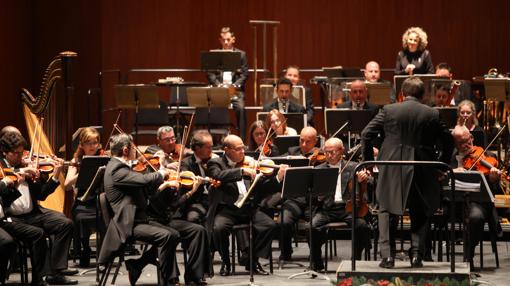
x,y
466,115
372,72
277,123
195,208
478,213
332,209
166,148
7,243
164,202
125,193
29,218
297,208
84,212
257,134
442,96
292,73
283,103
463,91
235,79
225,210
358,98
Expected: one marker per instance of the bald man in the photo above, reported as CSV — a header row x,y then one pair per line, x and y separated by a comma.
x,y
223,213
372,72
332,208
358,98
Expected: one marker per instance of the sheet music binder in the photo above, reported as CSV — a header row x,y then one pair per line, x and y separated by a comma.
x,y
335,118
88,168
299,181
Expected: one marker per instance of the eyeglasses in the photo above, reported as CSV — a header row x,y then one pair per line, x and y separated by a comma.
x,y
170,139
332,152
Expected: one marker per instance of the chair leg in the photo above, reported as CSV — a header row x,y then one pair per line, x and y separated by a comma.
x,y
233,263
326,252
105,275
271,262
494,245
481,254
121,259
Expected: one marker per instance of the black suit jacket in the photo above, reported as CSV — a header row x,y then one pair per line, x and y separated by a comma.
x,y
238,78
372,108
413,131
190,164
293,107
124,191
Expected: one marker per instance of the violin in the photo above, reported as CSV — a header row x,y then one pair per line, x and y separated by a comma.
x,y
186,179
265,167
479,161
8,173
317,157
145,161
266,148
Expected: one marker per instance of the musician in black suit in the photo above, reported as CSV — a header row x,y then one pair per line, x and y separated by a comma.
x,y
292,73
7,244
225,210
358,96
236,79
124,190
412,131
195,208
282,102
332,208
28,218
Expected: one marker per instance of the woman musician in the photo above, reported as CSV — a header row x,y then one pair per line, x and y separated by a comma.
x,y
84,210
257,134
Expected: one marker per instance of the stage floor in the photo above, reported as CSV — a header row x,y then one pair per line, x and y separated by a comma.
x,y
490,275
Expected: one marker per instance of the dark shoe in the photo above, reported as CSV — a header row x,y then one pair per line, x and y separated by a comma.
x,y
225,269
39,283
69,272
244,260
85,258
387,262
60,280
258,270
416,262
195,283
133,270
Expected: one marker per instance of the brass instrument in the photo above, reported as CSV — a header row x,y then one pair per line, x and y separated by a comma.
x,y
496,100
54,103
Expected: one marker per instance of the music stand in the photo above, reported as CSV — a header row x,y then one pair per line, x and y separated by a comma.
x,y
427,81
379,93
220,60
496,88
283,142
294,119
449,116
310,182
357,120
136,96
268,94
292,162
209,97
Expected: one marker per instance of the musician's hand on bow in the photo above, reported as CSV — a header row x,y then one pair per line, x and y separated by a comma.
x,y
281,172
28,172
362,175
494,174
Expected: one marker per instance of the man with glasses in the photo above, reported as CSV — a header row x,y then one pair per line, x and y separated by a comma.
x,y
225,211
332,208
166,147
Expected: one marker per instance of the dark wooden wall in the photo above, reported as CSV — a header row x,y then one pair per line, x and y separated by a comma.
x,y
121,34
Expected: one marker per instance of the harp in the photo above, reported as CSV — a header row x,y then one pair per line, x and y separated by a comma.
x,y
54,103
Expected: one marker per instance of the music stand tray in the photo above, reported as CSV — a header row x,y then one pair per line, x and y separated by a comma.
x,y
292,162
285,141
335,118
88,169
496,88
220,60
448,115
208,97
136,95
474,185
294,119
427,81
379,93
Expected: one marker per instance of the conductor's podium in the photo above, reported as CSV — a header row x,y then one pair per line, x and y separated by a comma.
x,y
431,271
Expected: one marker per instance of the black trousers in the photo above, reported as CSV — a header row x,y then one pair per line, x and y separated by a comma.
x,y
58,226
84,218
7,248
336,214
293,210
195,213
33,237
228,216
164,240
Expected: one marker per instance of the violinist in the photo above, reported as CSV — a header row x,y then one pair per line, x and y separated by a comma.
x,y
466,115
307,142
258,133
223,213
7,244
166,149
29,218
164,203
477,213
332,209
126,194
83,212
195,209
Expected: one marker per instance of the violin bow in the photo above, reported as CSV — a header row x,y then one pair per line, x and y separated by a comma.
x,y
353,150
33,141
340,129
492,141
116,127
185,135
39,143
113,129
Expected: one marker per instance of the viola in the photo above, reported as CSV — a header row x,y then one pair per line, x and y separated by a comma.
x,y
145,161
266,166
9,173
361,201
479,161
317,157
186,179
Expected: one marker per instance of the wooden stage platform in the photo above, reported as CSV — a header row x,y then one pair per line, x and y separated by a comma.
x,y
431,271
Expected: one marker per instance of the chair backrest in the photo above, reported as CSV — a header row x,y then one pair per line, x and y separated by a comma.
x,y
106,209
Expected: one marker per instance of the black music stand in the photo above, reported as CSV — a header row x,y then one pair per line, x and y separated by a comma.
x,y
210,97
283,142
309,181
357,120
90,178
294,119
136,96
292,162
449,116
220,60
379,93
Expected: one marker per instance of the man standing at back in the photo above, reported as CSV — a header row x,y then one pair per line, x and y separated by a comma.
x,y
412,131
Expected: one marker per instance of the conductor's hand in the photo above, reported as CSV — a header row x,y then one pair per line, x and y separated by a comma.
x,y
281,172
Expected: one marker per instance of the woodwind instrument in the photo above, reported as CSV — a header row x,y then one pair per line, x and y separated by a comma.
x,y
453,90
